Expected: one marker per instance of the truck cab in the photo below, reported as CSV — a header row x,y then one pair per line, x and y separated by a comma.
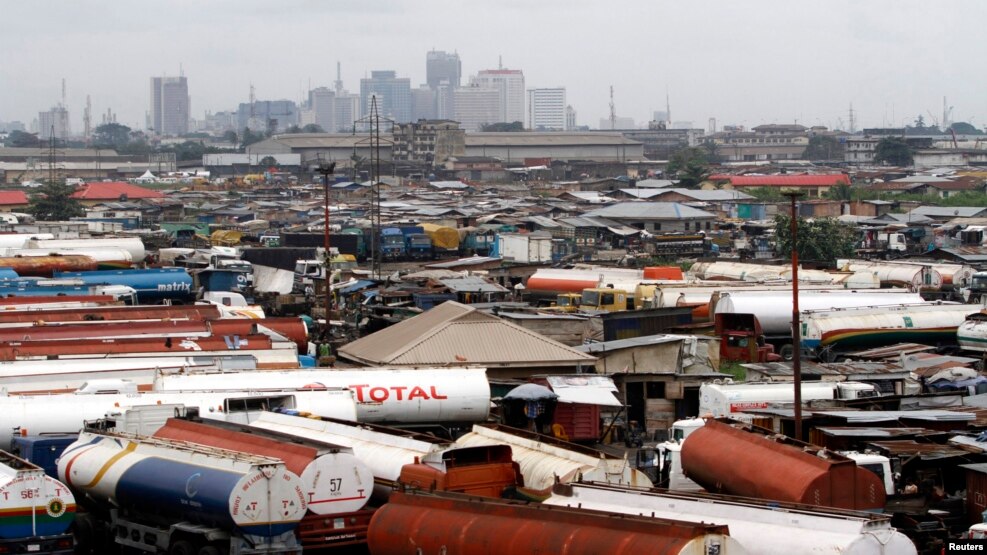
x,y
606,299
566,302
742,340
670,473
878,464
855,390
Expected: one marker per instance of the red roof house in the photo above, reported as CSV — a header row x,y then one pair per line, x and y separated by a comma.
x,y
115,191
814,185
13,199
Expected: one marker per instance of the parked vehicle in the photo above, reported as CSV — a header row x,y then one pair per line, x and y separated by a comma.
x,y
153,285
36,510
392,245
723,399
176,497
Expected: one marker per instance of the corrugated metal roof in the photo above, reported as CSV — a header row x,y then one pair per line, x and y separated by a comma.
x,y
472,284
818,180
908,447
453,333
651,211
617,344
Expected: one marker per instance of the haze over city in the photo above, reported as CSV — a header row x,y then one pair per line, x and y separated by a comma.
x,y
742,63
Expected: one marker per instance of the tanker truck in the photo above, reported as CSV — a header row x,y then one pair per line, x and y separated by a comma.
x,y
827,334
723,399
163,496
36,510
771,312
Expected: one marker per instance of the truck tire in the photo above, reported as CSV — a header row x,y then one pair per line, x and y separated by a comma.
x,y
182,547
787,352
209,550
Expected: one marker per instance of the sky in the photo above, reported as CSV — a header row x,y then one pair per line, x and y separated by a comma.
x,y
741,62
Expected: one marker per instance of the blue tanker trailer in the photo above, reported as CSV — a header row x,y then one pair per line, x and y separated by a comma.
x,y
153,285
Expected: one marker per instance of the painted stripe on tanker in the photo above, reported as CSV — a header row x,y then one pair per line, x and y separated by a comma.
x,y
131,446
357,498
848,335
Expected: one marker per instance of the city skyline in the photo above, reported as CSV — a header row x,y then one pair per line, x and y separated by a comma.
x,y
763,62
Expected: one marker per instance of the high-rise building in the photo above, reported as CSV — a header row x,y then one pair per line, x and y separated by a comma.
x,y
269,116
546,109
170,105
393,95
570,118
56,118
441,66
423,104
476,106
322,106
510,84
347,111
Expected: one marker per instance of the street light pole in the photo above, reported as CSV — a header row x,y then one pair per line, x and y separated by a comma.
x,y
796,325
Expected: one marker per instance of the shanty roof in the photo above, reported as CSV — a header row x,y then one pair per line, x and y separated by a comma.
x,y
650,211
8,198
472,284
454,333
818,180
950,211
113,190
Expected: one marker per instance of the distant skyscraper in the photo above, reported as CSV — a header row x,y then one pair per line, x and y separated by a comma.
x,y
269,116
393,95
322,104
57,117
476,106
570,118
546,109
423,103
510,84
441,66
169,105
347,111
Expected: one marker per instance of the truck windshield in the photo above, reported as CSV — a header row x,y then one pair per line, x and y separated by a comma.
x,y
420,241
591,298
979,282
393,240
562,301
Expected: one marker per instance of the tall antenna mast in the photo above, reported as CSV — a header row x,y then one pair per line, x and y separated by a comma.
x,y
613,111
87,118
63,92
339,78
251,100
853,124
668,111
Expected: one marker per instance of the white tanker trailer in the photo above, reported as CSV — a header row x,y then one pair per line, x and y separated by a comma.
x,y
913,276
36,510
382,395
133,245
762,527
179,497
826,333
61,413
972,333
544,460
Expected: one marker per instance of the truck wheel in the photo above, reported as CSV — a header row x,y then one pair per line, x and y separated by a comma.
x,y
209,550
182,547
787,352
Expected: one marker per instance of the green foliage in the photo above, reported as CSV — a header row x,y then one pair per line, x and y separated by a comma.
x,y
111,135
821,239
191,150
248,137
690,166
53,203
841,191
503,127
232,138
268,162
22,139
767,194
894,151
964,128
738,372
313,128
823,147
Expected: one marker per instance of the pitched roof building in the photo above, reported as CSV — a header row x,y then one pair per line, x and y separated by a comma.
x,y
101,191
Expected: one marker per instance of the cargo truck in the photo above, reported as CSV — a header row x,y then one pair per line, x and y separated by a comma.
x,y
392,245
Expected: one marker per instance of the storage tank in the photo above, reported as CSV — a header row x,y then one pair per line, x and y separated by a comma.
x,y
761,527
334,480
723,458
913,276
860,328
107,258
153,285
773,309
443,238
736,271
20,240
290,328
555,280
108,314
31,502
66,413
134,347
46,266
972,333
384,450
133,245
165,481
428,395
545,460
719,400
413,522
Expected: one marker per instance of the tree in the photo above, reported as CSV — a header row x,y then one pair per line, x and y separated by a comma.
x,y
503,127
964,128
313,128
821,239
232,138
840,191
248,137
54,203
823,147
112,134
894,151
292,130
690,166
22,139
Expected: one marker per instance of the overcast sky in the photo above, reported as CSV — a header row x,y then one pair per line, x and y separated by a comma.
x,y
742,62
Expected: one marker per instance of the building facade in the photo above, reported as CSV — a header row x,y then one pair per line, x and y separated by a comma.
x,y
393,95
170,105
510,85
267,115
57,119
430,142
442,67
476,106
322,108
547,109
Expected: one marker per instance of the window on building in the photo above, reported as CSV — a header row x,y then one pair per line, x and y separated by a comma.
x,y
686,226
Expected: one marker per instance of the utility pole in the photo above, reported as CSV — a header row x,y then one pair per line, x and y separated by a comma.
x,y
613,111
796,330
326,170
